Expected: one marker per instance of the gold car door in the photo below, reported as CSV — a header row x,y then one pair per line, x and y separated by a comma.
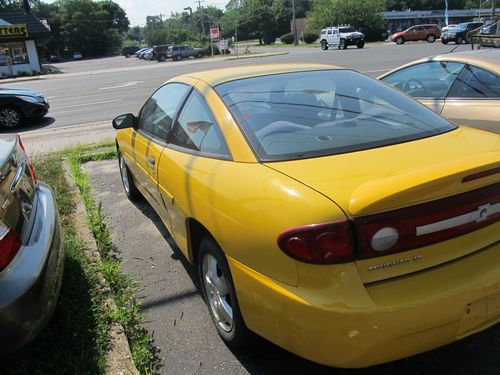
x,y
474,99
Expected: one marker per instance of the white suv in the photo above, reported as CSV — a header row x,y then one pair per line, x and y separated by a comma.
x,y
341,36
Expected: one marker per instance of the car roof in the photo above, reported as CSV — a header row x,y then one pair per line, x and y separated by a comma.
x,y
217,76
488,59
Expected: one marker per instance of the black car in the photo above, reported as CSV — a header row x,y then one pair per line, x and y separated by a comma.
x,y
18,104
130,51
459,33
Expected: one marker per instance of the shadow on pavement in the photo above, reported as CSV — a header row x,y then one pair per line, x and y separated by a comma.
x,y
31,124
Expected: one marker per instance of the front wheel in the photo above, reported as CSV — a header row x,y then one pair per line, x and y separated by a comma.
x,y
10,117
324,45
400,40
444,41
360,44
342,44
133,194
162,58
220,295
459,40
431,38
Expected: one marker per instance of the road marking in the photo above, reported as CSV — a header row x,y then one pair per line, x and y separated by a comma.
x,y
126,84
87,104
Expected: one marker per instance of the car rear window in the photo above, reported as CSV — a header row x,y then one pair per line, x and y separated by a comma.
x,y
317,113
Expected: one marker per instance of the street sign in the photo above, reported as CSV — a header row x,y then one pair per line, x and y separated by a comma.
x,y
223,44
214,33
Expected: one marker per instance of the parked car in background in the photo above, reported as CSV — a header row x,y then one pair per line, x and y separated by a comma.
x,y
447,28
77,55
129,51
148,54
31,254
138,53
17,105
160,52
341,37
324,210
179,52
460,33
462,86
417,32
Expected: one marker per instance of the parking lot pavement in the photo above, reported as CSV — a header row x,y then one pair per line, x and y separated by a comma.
x,y
180,323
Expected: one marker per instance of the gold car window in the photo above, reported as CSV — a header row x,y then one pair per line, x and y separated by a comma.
x,y
475,82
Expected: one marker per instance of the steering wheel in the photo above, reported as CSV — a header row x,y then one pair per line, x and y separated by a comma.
x,y
413,84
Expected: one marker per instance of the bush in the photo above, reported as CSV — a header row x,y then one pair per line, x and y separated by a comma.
x,y
268,39
287,38
309,37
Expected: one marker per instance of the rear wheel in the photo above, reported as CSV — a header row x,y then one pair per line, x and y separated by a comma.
x,y
199,54
400,40
10,117
133,194
431,38
161,58
220,295
324,45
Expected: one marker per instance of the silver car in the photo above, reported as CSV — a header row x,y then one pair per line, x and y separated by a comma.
x,y
31,254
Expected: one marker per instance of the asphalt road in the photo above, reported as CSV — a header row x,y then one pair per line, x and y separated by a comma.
x,y
179,321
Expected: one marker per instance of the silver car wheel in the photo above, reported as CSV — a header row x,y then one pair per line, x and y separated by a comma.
x,y
9,118
124,174
217,292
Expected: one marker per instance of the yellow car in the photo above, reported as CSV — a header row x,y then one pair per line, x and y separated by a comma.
x,y
325,211
463,86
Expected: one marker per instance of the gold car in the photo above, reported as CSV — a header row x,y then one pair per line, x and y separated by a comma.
x,y
325,211
463,87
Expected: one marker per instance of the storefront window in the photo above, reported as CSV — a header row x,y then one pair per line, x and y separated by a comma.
x,y
16,52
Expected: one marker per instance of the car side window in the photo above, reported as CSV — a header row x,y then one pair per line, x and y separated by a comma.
x,y
475,82
427,80
158,112
197,130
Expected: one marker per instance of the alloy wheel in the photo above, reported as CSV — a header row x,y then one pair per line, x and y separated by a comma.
x,y
9,118
217,292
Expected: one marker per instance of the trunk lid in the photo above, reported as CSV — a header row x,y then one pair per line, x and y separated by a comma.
x,y
386,179
17,187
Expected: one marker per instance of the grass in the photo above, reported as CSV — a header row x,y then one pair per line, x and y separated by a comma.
x,y
76,339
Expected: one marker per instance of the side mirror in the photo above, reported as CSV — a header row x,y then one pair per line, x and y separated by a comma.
x,y
127,120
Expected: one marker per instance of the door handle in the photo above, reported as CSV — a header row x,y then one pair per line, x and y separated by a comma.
x,y
151,161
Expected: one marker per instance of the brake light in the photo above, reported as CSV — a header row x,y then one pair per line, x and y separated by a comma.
x,y
427,223
27,158
327,243
9,246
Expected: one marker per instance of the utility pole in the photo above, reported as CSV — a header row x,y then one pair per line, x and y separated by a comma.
x,y
294,24
202,16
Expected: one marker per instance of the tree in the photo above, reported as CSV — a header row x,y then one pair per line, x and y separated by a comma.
x,y
365,15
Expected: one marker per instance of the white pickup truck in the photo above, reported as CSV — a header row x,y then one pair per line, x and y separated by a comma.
x,y
342,37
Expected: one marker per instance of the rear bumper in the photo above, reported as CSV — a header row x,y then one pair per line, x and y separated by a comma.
x,y
29,286
364,325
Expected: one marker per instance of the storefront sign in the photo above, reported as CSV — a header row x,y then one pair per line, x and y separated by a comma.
x,y
13,30
214,33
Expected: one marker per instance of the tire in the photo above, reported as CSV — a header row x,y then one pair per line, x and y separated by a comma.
x,y
324,45
400,40
161,58
459,40
133,194
431,38
342,44
360,45
220,295
199,55
10,117
444,41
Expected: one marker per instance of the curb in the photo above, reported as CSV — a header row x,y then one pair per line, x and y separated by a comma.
x,y
256,56
118,357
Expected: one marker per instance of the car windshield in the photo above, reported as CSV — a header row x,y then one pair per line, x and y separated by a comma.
x,y
461,26
347,29
317,113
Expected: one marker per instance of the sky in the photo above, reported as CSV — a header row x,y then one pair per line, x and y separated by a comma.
x,y
137,10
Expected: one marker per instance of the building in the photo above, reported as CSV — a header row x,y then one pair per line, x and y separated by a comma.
x,y
401,20
20,35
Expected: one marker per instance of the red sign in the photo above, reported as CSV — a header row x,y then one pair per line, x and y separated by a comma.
x,y
214,33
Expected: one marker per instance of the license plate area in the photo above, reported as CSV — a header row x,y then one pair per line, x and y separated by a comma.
x,y
479,314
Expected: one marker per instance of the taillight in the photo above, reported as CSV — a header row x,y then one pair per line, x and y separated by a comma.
x,y
427,223
9,246
27,158
326,243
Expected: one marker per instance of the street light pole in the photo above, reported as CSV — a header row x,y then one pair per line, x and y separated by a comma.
x,y
294,23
